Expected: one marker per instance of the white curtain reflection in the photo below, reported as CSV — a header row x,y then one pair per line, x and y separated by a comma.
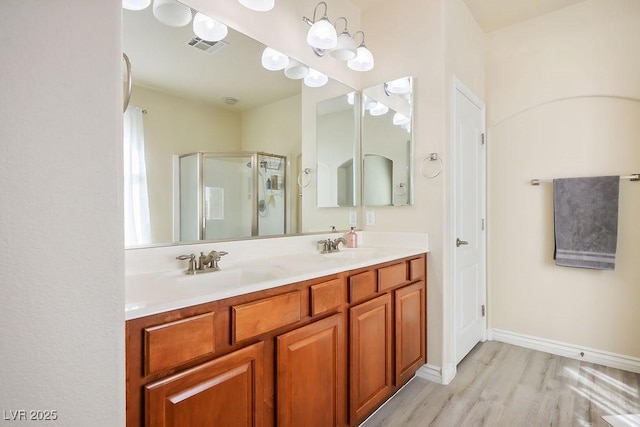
x,y
136,200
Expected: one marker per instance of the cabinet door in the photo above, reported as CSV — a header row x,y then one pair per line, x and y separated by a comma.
x,y
227,391
370,356
311,382
410,331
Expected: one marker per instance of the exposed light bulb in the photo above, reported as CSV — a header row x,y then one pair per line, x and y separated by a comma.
x,y
274,60
135,4
208,28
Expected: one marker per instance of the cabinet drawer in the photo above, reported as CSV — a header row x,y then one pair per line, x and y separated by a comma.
x,y
169,345
255,318
416,269
391,276
326,296
362,285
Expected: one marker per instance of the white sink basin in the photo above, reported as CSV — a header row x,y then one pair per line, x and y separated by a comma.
x,y
354,253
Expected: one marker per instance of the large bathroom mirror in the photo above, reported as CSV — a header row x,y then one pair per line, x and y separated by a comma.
x,y
387,144
337,136
222,136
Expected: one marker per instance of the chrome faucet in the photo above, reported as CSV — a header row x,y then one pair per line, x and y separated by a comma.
x,y
204,263
336,242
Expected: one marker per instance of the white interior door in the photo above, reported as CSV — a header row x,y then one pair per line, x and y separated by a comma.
x,y
469,221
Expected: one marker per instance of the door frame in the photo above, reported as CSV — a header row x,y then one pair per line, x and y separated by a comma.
x,y
458,86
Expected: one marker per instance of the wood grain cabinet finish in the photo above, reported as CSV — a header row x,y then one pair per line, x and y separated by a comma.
x,y
171,344
255,318
311,378
371,363
410,333
326,296
392,276
227,391
362,286
417,269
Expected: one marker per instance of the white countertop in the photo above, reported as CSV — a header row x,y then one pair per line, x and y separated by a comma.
x,y
162,287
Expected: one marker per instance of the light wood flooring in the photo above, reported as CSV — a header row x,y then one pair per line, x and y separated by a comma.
x,y
499,384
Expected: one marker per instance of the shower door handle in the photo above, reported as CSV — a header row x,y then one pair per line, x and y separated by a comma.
x,y
460,242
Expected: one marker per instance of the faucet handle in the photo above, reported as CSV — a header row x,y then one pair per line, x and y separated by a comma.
x,y
192,262
190,257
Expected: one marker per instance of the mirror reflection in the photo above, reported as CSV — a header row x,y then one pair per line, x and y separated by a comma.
x,y
214,107
387,143
336,150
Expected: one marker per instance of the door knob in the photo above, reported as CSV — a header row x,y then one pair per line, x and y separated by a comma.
x,y
460,242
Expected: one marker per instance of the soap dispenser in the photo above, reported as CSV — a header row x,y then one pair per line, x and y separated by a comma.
x,y
352,238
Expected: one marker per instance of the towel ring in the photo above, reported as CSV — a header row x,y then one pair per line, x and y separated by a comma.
x,y
431,157
305,171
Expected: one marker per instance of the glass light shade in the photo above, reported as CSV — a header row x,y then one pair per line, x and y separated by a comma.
x,y
363,60
315,78
296,70
274,60
368,103
346,48
259,5
351,98
400,86
171,13
407,127
379,109
135,4
322,35
400,119
208,28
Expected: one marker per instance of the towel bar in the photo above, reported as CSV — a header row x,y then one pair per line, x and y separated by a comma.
x,y
632,177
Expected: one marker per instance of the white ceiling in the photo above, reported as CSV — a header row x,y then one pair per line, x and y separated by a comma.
x,y
494,14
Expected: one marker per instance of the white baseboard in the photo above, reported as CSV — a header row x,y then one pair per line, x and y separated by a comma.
x,y
600,357
437,374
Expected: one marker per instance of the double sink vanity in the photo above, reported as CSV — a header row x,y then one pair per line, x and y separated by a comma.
x,y
282,335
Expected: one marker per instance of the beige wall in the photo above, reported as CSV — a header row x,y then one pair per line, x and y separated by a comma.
x,y
61,222
535,131
443,40
175,125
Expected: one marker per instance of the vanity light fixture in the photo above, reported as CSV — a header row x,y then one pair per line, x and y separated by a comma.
x,y
351,98
208,28
399,86
315,78
379,109
364,58
171,13
273,60
400,119
135,4
346,47
368,103
258,5
295,70
322,35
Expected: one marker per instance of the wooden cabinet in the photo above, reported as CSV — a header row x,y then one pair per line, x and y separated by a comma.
x,y
370,354
322,352
410,336
311,379
223,392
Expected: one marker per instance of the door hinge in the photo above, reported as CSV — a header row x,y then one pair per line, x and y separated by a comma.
x,y
482,139
484,311
482,224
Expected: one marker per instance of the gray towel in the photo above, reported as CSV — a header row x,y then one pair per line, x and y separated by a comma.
x,y
586,221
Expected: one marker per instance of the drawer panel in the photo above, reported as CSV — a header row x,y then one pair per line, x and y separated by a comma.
x,y
255,318
391,276
362,285
326,296
416,269
171,344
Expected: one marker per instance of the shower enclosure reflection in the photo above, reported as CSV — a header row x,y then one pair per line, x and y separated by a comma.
x,y
231,195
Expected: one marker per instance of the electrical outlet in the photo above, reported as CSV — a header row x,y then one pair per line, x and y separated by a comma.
x,y
371,218
353,219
